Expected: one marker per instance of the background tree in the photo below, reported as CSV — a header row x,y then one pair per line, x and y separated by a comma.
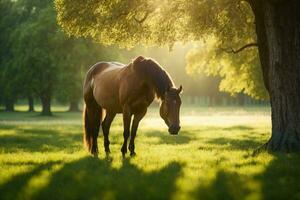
x,y
38,51
10,19
239,73
13,14
38,60
80,55
272,25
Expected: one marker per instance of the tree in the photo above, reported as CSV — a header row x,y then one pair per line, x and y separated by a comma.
x,y
8,84
79,56
239,74
38,51
272,25
38,59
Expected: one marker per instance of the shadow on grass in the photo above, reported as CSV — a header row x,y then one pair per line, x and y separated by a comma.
x,y
226,186
21,116
12,188
166,138
236,144
7,127
281,178
90,178
184,137
244,141
38,140
238,128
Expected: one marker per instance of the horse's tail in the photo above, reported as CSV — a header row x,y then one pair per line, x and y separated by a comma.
x,y
92,120
92,116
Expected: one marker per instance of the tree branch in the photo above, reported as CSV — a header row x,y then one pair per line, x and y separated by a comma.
x,y
231,50
140,21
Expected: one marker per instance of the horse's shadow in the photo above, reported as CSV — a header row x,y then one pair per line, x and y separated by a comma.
x,y
90,178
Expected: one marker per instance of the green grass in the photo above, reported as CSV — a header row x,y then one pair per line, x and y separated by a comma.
x,y
43,158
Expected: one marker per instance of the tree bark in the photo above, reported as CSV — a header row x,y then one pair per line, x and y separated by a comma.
x,y
30,104
46,105
74,106
278,36
9,105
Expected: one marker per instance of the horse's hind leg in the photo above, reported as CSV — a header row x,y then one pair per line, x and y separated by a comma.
x,y
105,127
136,120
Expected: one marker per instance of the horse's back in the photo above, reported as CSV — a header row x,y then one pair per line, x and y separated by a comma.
x,y
91,73
99,67
106,84
115,84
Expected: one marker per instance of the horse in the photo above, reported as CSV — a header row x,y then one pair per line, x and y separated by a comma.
x,y
112,88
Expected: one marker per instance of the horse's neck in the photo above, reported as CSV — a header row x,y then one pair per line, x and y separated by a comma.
x,y
160,81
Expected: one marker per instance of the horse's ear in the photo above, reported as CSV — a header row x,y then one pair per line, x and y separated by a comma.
x,y
179,90
138,59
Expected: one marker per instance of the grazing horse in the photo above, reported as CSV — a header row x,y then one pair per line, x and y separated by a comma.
x,y
128,89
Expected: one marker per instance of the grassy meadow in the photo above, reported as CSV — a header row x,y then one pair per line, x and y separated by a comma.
x,y
211,158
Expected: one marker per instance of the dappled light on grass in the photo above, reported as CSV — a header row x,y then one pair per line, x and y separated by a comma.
x,y
205,161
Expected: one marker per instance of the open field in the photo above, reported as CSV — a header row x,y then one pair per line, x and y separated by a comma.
x,y
43,158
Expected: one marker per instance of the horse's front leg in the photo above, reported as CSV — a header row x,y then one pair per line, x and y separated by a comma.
x,y
136,120
126,124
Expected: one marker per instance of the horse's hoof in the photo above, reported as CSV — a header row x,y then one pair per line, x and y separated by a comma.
x,y
132,154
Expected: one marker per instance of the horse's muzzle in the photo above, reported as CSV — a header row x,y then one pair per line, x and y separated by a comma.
x,y
173,130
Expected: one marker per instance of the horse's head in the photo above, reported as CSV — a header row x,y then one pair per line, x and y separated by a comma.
x,y
169,109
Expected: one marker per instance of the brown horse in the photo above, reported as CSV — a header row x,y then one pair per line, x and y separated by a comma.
x,y
128,89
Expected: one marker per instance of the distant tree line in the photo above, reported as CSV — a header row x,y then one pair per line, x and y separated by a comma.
x,y
39,61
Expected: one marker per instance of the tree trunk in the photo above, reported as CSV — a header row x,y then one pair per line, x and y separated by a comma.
x,y
46,105
74,106
218,100
278,37
241,99
30,104
9,105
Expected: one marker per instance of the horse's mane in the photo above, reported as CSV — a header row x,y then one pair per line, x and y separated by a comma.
x,y
154,74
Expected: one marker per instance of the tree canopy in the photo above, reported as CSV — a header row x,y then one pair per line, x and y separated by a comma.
x,y
128,23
